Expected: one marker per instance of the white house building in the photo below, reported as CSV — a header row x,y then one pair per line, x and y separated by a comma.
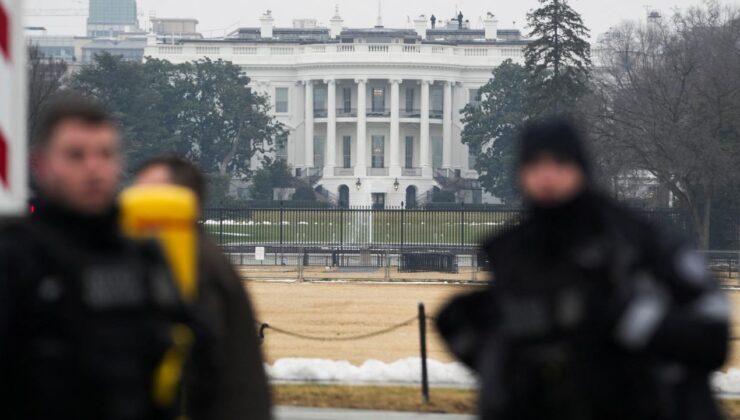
x,y
374,114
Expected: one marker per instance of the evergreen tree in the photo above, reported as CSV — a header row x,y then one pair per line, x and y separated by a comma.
x,y
492,127
559,56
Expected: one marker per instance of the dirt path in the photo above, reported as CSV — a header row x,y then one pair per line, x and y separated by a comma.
x,y
342,309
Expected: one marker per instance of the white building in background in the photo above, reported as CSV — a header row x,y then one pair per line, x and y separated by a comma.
x,y
374,114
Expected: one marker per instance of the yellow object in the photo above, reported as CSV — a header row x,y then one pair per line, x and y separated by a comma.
x,y
169,372
167,213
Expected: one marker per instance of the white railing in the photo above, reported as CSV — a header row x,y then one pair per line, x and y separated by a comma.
x,y
281,50
344,171
422,52
377,48
377,171
207,50
412,49
245,50
169,50
411,172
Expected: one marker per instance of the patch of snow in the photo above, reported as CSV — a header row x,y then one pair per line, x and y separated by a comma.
x,y
404,371
727,383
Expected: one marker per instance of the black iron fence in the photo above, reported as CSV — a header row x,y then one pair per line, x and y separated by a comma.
x,y
454,227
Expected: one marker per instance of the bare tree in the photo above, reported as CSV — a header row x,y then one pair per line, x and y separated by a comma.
x,y
45,79
668,101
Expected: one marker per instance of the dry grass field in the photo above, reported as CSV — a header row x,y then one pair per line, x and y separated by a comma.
x,y
343,309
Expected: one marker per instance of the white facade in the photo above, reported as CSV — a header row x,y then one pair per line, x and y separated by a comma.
x,y
374,114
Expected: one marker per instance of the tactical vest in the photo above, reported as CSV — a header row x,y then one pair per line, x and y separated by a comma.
x,y
96,327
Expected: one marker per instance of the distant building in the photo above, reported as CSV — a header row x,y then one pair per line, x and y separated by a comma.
x,y
170,31
128,49
109,18
374,114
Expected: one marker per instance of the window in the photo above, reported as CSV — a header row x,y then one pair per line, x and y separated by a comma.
x,y
437,96
319,99
378,201
378,100
281,100
347,151
378,160
347,100
410,100
436,152
318,152
281,148
473,152
474,97
409,152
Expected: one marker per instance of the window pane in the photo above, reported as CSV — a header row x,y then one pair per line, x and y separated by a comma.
x,y
436,152
347,99
281,148
409,152
281,100
474,96
437,100
318,152
319,99
473,152
347,151
378,152
378,100
410,100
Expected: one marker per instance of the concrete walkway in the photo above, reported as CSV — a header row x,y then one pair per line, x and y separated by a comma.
x,y
296,413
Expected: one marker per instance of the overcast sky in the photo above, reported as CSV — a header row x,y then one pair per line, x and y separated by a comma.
x,y
217,16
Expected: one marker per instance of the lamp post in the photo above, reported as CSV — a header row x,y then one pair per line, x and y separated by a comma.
x,y
358,184
396,185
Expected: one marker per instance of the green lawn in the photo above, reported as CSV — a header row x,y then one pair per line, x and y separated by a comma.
x,y
357,227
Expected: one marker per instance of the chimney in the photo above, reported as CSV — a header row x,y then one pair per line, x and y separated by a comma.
x,y
336,24
491,25
420,25
266,22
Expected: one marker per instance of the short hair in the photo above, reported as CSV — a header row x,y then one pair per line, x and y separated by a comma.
x,y
182,172
66,107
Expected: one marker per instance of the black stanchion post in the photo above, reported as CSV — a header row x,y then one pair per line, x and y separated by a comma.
x,y
423,342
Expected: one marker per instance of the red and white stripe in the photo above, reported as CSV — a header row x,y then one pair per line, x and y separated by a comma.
x,y
13,144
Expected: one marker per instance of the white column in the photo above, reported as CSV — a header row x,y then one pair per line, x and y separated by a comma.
x,y
425,141
361,163
447,127
309,124
331,127
395,167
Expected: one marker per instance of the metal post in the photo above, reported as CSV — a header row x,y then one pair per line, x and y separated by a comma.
x,y
221,227
282,217
299,259
462,225
387,266
402,213
423,342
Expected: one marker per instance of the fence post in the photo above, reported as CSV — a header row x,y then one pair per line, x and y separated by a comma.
x,y
221,227
403,211
462,224
282,217
341,229
387,266
299,259
423,342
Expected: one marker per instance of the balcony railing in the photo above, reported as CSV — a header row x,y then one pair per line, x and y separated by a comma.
x,y
320,113
346,112
436,115
410,113
379,113
344,171
377,171
411,172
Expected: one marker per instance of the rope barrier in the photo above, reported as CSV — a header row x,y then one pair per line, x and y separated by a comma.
x,y
265,326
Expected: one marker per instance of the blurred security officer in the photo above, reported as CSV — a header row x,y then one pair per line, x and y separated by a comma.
x,y
592,313
86,316
227,381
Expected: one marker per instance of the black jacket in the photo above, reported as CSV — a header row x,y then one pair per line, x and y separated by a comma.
x,y
592,314
86,317
228,380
